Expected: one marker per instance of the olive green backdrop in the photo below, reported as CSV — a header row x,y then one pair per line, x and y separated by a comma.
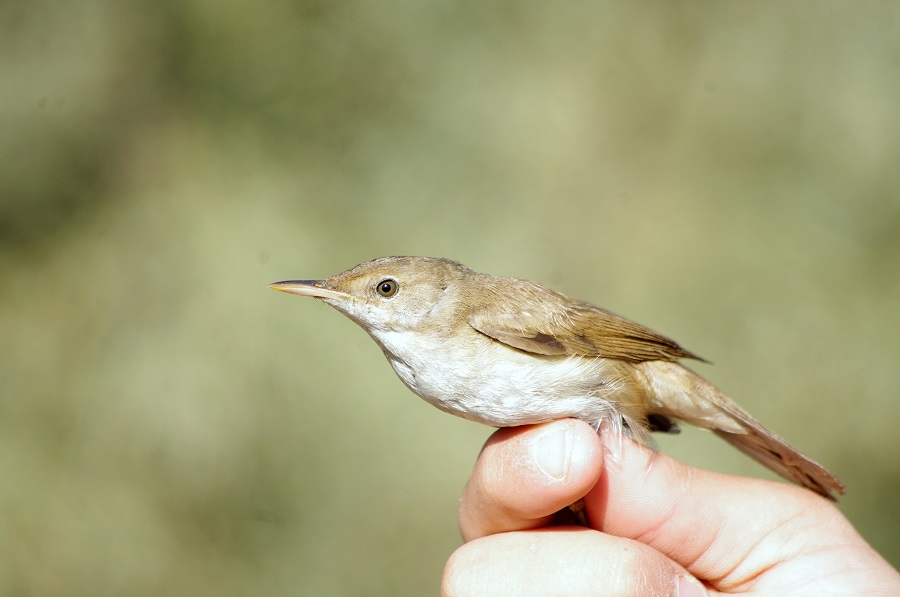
x,y
725,173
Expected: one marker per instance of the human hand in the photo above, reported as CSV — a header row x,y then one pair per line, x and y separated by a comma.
x,y
667,528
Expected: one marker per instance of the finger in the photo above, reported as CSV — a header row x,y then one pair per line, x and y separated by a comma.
x,y
722,528
550,562
525,474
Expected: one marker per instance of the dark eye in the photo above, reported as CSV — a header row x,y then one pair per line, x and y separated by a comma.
x,y
387,288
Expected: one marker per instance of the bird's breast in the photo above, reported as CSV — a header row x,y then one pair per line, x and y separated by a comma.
x,y
477,378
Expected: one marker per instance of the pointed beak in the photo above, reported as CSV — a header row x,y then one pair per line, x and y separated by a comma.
x,y
313,288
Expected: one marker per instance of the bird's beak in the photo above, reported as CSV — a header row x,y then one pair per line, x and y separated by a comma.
x,y
313,288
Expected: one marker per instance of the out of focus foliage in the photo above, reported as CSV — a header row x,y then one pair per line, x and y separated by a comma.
x,y
726,173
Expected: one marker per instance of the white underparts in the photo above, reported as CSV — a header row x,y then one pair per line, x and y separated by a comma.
x,y
491,383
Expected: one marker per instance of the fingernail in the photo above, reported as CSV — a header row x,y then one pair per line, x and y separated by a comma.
x,y
690,587
552,451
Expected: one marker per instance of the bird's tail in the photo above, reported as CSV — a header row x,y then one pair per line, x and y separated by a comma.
x,y
681,394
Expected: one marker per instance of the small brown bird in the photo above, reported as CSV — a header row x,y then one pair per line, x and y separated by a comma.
x,y
506,352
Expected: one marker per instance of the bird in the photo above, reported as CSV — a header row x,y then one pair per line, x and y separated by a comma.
x,y
507,352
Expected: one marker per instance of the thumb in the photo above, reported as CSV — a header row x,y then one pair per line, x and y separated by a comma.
x,y
722,528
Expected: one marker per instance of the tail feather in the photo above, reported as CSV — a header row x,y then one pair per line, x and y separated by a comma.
x,y
772,451
680,393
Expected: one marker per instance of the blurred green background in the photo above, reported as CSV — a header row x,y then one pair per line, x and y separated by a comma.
x,y
725,173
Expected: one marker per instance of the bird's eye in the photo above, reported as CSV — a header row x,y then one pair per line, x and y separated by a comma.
x,y
387,288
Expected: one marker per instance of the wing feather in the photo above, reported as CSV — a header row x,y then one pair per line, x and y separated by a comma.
x,y
538,320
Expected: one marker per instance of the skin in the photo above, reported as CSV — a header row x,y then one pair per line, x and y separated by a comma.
x,y
658,526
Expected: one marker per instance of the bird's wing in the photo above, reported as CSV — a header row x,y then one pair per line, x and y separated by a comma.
x,y
560,326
